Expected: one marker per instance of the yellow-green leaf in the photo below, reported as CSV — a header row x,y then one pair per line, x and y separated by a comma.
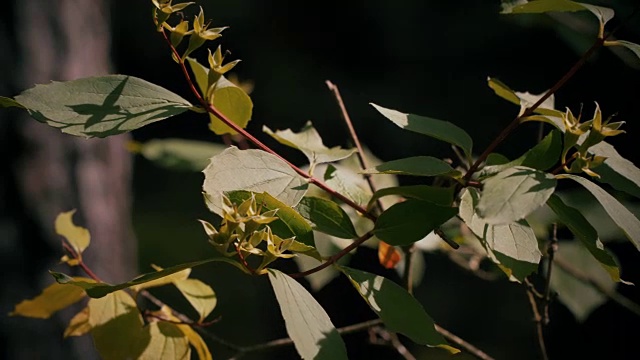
x,y
196,341
167,342
78,237
52,299
180,275
79,324
199,295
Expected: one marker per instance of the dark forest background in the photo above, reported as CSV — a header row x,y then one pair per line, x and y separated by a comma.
x,y
429,58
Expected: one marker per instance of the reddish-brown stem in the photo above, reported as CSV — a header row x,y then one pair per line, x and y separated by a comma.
x,y
212,110
81,264
243,261
530,110
335,257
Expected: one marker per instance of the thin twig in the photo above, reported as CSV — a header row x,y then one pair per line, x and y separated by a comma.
x,y
462,343
335,257
392,339
551,251
214,111
586,279
407,276
244,350
538,320
81,263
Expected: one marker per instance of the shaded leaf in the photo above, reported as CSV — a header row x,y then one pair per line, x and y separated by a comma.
x,y
583,230
635,48
541,157
6,102
327,216
251,170
308,325
101,106
399,311
580,298
78,237
234,103
627,222
513,194
417,165
290,223
117,327
347,183
524,99
180,154
441,130
434,194
199,295
310,143
513,246
197,342
53,298
99,290
79,324
228,98
409,221
167,342
169,279
617,171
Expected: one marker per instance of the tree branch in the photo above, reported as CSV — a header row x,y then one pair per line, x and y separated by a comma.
x,y
538,320
462,343
212,110
551,251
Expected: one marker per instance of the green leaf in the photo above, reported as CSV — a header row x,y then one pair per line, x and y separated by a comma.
x,y
327,217
310,143
169,279
513,247
308,325
627,222
583,230
290,223
417,165
399,311
251,170
199,295
98,290
234,103
180,154
617,171
513,194
167,342
53,298
117,327
78,237
635,48
441,130
542,6
347,183
580,298
434,194
524,99
228,98
541,157
101,106
409,221
6,102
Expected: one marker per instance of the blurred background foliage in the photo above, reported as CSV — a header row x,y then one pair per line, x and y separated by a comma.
x,y
429,58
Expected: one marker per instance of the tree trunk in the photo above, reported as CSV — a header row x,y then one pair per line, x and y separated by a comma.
x,y
65,40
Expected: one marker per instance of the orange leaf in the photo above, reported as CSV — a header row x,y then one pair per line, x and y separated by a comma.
x,y
388,255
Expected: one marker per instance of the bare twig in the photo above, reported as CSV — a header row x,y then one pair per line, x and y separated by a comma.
x,y
462,343
551,251
81,263
585,278
391,338
538,320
